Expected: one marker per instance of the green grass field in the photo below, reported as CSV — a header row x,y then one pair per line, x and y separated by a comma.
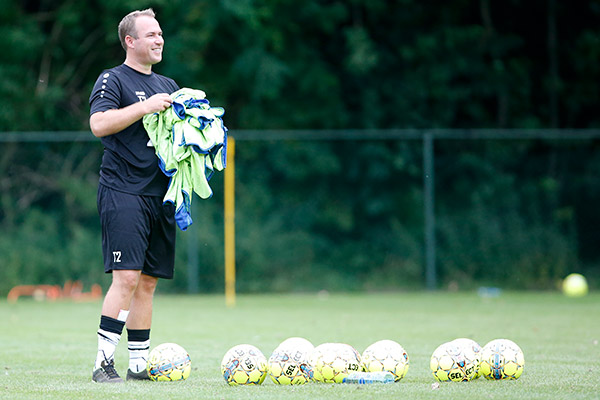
x,y
47,348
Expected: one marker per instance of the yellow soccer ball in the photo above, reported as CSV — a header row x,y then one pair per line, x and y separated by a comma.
x,y
169,362
502,359
289,362
244,364
386,355
575,285
472,352
449,364
332,362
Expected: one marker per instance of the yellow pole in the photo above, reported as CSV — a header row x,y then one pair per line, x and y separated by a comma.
x,y
230,224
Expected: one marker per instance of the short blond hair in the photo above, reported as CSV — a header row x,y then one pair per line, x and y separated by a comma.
x,y
127,24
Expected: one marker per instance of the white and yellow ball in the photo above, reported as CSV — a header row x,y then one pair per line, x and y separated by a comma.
x,y
332,362
289,362
449,364
575,285
502,359
386,355
244,364
472,352
169,362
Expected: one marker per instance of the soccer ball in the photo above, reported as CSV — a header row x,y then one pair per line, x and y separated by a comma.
x,y
472,352
386,355
448,363
575,285
502,359
289,363
244,364
169,362
332,362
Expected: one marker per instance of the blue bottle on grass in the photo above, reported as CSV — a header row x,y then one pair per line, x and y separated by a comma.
x,y
369,377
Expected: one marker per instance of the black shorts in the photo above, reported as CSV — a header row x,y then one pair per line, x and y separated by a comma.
x,y
137,233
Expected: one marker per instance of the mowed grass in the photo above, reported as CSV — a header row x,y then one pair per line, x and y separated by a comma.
x,y
47,348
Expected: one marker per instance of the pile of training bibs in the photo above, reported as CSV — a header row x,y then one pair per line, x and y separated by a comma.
x,y
190,141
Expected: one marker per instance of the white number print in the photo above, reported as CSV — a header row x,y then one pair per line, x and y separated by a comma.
x,y
117,256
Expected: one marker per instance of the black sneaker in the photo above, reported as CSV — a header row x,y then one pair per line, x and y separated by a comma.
x,y
106,373
137,376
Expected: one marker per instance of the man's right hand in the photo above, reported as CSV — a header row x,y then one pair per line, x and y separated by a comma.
x,y
158,102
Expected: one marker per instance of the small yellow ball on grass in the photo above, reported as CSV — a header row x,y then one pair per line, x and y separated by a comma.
x,y
575,285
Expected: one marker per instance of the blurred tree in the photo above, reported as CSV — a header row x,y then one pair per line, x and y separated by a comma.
x,y
284,64
347,208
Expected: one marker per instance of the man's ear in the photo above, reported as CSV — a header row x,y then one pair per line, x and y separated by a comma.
x,y
129,41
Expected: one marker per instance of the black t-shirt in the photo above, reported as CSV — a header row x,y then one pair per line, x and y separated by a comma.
x,y
129,163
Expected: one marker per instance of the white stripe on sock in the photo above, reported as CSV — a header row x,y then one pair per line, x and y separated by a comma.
x,y
138,355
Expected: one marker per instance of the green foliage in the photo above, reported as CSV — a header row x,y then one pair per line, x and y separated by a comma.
x,y
324,213
50,229
40,250
499,249
335,214
313,65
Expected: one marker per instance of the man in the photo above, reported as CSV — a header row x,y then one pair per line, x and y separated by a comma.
x,y
138,233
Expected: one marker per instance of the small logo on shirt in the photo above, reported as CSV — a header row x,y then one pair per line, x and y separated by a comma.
x,y
140,95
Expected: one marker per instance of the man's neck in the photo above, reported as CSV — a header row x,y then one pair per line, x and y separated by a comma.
x,y
144,69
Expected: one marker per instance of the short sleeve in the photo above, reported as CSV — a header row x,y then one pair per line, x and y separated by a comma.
x,y
106,94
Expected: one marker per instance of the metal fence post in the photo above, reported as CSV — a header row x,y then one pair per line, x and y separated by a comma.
x,y
429,208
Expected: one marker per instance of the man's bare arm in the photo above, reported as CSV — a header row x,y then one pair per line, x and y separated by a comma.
x,y
105,123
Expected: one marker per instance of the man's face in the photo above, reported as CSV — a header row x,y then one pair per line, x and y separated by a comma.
x,y
149,44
